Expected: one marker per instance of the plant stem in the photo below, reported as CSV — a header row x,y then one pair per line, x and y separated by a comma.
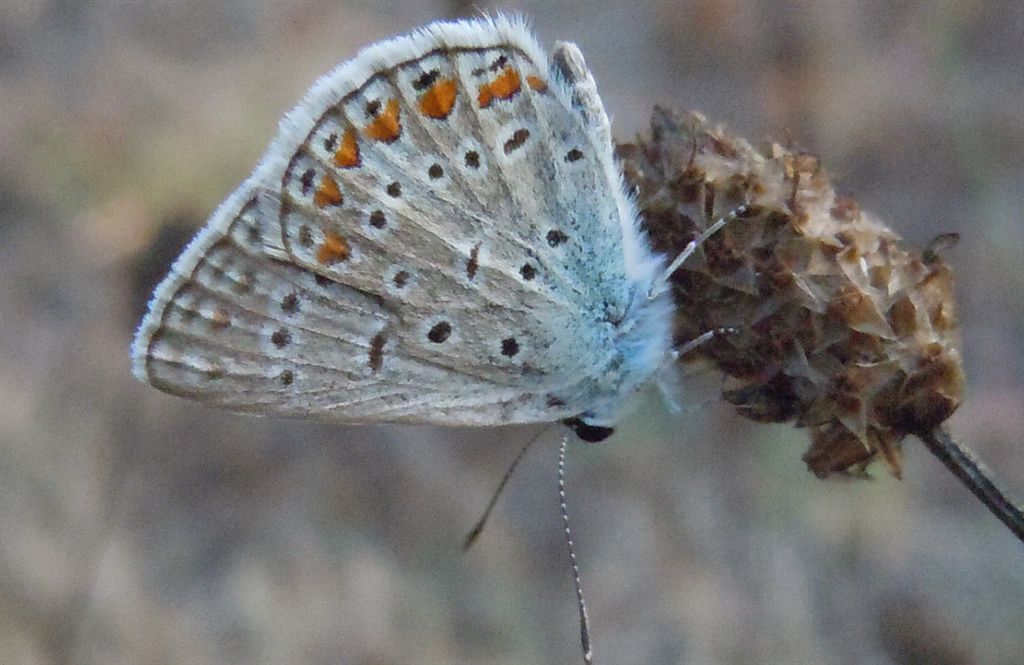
x,y
972,473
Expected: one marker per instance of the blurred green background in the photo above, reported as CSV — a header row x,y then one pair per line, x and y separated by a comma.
x,y
139,528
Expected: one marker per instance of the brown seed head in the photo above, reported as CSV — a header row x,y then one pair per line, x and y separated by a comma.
x,y
842,328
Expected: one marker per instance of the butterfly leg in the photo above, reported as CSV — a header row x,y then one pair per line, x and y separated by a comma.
x,y
681,351
478,528
668,377
662,284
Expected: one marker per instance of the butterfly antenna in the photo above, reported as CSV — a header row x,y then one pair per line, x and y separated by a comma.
x,y
478,528
691,247
588,654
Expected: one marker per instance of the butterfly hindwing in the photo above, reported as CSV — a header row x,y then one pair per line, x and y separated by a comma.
x,y
235,326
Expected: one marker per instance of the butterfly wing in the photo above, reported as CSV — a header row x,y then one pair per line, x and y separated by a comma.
x,y
437,235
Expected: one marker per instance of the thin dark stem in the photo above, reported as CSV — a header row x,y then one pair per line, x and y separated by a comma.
x,y
588,654
976,477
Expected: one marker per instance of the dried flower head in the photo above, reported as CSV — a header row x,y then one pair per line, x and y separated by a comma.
x,y
840,327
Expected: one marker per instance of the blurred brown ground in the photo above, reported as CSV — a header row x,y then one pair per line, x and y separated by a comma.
x,y
138,528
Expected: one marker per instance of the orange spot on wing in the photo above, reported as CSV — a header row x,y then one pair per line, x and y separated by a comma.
x,y
504,86
347,154
438,101
220,319
386,126
536,83
327,194
333,249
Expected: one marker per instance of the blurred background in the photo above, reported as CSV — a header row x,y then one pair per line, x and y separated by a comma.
x,y
139,528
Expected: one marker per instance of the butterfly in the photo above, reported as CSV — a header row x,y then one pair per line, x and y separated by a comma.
x,y
438,234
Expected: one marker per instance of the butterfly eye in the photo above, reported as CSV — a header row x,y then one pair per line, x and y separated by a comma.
x,y
587,432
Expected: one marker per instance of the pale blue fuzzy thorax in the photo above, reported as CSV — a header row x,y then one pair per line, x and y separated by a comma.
x,y
641,343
